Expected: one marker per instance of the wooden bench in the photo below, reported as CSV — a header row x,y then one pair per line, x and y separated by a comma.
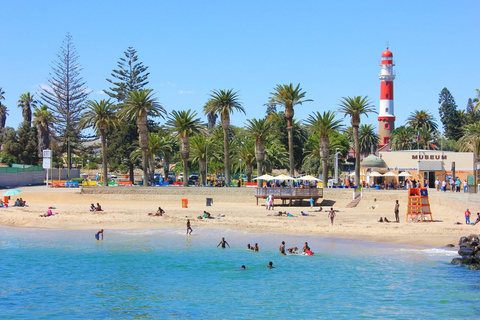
x,y
57,184
125,183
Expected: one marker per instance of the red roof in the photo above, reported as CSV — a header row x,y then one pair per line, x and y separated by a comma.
x,y
387,53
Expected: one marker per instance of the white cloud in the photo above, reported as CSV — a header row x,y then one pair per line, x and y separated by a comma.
x,y
186,92
168,84
101,92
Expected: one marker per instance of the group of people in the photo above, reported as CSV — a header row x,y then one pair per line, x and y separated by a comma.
x,y
396,211
455,185
294,250
467,217
96,208
253,248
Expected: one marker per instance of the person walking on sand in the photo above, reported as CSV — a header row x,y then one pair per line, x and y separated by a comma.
x,y
331,215
189,227
282,248
467,216
270,203
397,210
97,235
311,203
223,242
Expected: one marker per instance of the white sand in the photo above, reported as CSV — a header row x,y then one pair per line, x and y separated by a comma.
x,y
127,209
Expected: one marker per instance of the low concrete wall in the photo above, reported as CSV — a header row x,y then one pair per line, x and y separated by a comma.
x,y
12,180
54,174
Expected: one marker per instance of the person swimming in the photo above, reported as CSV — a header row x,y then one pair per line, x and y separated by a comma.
x,y
270,265
255,248
306,247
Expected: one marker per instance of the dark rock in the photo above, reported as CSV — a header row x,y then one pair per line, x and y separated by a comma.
x,y
450,245
475,266
468,260
456,261
464,251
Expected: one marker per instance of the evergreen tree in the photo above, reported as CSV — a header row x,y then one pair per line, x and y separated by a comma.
x,y
65,96
130,75
449,115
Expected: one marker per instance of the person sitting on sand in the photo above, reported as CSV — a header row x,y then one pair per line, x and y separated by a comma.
x,y
17,203
99,207
93,208
386,220
223,242
381,219
21,203
48,214
304,214
270,265
207,215
160,211
255,248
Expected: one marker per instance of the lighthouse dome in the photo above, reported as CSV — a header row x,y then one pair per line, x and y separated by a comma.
x,y
387,53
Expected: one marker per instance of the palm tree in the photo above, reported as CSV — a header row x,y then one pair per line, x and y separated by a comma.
x,y
26,103
246,153
288,96
425,137
224,102
402,138
200,146
355,107
324,125
138,106
420,118
259,129
276,155
470,141
367,138
101,117
184,124
42,120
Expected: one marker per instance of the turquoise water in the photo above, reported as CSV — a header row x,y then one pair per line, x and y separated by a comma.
x,y
48,274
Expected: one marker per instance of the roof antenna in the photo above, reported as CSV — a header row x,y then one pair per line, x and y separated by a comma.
x,y
386,44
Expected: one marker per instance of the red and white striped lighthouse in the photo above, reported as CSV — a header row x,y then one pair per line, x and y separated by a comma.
x,y
386,115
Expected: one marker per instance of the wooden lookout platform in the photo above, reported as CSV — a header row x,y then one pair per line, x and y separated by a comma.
x,y
289,194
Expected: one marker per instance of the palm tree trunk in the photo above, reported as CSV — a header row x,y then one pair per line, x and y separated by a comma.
x,y
260,156
185,153
145,168
290,150
202,163
104,157
185,171
226,150
357,155
324,154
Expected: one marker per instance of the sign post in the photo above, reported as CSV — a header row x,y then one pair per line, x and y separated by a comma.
x,y
47,162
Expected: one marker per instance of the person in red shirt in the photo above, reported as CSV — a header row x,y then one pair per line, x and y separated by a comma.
x,y
467,216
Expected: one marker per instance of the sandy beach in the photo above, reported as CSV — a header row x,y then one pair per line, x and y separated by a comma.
x,y
128,208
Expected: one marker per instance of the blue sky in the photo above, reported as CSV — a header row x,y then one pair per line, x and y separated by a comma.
x,y
332,48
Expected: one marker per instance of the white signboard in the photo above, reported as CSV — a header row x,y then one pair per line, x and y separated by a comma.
x,y
47,163
47,153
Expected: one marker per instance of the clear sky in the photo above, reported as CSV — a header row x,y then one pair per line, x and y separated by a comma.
x,y
332,48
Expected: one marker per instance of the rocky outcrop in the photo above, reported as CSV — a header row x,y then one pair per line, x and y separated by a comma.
x,y
469,251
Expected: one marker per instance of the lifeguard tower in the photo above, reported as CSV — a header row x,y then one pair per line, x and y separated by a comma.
x,y
418,209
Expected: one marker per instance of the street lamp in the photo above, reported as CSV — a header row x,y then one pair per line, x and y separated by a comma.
x,y
336,165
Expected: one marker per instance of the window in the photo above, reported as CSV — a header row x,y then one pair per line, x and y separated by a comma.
x,y
386,95
387,126
386,140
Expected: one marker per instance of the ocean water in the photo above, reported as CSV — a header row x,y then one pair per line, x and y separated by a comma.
x,y
163,274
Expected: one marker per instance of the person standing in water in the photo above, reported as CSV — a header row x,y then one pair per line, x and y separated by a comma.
x,y
270,265
331,215
397,210
189,227
282,248
223,243
97,235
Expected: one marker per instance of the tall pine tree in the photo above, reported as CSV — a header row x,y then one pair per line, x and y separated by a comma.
x,y
449,115
66,97
3,110
130,75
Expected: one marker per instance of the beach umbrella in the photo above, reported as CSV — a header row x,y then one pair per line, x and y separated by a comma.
x,y
375,174
308,178
283,177
405,174
11,192
353,174
264,177
389,174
